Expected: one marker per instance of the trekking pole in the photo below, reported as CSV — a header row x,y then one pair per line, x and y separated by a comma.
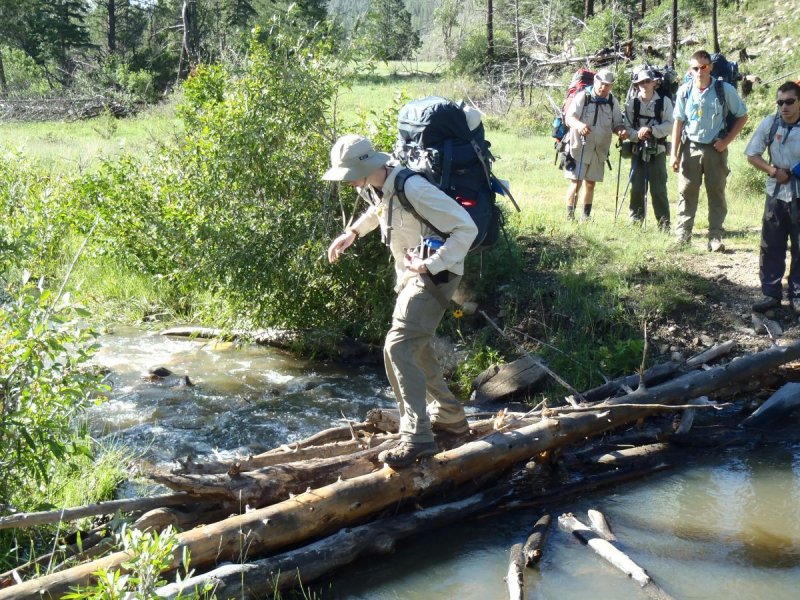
x,y
619,175
644,200
580,161
627,185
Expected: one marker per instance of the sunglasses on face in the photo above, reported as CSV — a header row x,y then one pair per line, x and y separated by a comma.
x,y
700,68
787,102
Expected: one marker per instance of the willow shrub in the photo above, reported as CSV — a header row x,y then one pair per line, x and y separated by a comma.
x,y
239,209
43,386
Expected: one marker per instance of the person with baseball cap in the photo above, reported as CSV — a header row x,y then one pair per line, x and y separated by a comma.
x,y
592,117
428,271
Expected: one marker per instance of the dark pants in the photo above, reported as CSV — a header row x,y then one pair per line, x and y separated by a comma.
x,y
654,172
777,227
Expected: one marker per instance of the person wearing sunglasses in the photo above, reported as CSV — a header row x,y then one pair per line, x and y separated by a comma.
x,y
701,136
776,134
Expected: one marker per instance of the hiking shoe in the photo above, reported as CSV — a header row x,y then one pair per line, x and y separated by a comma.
x,y
460,427
715,245
405,453
796,305
768,302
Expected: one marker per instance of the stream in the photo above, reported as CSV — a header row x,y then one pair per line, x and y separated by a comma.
x,y
725,526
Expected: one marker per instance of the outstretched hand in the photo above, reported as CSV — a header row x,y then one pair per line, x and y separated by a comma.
x,y
340,244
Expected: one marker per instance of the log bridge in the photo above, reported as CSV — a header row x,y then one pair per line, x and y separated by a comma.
x,y
285,517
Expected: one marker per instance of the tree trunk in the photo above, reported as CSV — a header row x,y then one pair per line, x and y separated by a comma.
x,y
518,50
714,29
112,26
588,9
3,82
673,42
490,32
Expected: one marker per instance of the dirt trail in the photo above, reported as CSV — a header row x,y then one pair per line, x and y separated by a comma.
x,y
735,271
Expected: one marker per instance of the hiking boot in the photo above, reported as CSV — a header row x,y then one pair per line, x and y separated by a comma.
x,y
715,245
405,453
460,427
768,302
795,305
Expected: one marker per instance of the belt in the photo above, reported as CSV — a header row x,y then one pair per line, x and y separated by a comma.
x,y
693,143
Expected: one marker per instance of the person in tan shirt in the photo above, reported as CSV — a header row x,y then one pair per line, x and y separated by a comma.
x,y
593,116
424,279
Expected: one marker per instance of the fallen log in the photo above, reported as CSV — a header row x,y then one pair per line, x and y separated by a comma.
x,y
781,404
599,524
108,507
515,578
286,454
262,578
658,373
319,512
610,553
503,381
269,485
532,550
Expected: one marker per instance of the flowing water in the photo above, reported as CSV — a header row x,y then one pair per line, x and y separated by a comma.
x,y
725,526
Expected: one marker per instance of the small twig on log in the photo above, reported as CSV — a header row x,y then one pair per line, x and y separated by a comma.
x,y
538,362
515,579
548,412
642,386
532,550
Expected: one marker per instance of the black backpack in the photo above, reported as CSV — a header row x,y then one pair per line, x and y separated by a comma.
x,y
722,71
434,140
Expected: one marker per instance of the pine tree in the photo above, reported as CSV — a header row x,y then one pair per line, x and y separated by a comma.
x,y
387,33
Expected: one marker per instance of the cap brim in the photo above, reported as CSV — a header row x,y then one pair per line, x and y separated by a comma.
x,y
360,171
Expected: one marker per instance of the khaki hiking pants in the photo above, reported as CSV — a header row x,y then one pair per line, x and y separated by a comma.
x,y
412,368
701,163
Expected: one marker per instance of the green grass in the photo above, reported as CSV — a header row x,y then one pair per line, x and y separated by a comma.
x,y
68,147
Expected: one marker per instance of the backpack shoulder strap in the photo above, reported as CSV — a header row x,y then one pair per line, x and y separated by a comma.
x,y
660,108
719,87
637,108
773,130
400,189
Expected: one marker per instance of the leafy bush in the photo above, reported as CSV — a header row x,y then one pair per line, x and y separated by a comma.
x,y
43,386
239,209
33,220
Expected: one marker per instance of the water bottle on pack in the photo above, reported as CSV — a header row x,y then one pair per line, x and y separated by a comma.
x,y
430,245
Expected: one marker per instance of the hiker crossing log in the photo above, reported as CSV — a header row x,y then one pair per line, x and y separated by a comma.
x,y
344,503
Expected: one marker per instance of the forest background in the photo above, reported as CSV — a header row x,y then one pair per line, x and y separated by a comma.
x,y
193,194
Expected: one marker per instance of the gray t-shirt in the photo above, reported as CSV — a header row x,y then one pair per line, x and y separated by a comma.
x,y
785,150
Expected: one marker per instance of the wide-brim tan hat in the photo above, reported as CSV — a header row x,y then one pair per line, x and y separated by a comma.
x,y
352,158
604,76
643,75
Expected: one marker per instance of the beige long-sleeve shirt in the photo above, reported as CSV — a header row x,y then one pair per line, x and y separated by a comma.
x,y
432,204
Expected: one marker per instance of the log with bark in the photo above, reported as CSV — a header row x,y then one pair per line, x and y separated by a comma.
x,y
534,545
321,511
